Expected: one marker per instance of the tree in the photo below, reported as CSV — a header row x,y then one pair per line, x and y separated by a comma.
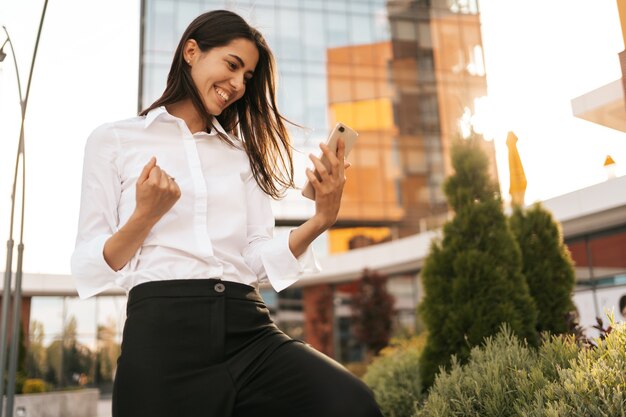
x,y
472,278
372,311
547,266
108,352
36,356
67,359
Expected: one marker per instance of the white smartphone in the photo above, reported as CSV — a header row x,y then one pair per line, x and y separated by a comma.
x,y
340,131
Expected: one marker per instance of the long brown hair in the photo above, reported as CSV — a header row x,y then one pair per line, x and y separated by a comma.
x,y
256,115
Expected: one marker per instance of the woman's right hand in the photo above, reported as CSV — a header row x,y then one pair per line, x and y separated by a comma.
x,y
156,192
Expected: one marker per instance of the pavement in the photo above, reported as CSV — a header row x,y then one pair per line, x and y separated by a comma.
x,y
104,407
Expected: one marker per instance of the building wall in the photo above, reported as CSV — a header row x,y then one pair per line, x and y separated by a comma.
x,y
361,96
600,260
599,256
24,319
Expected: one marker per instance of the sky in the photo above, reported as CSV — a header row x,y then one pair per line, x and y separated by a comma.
x,y
538,56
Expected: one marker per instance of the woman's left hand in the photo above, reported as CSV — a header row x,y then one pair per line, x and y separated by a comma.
x,y
329,186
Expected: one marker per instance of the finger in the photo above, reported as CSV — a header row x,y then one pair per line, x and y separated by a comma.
x,y
312,179
165,179
146,170
347,165
341,148
341,155
155,175
332,158
320,168
174,187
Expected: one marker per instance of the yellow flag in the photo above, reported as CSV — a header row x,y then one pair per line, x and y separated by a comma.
x,y
516,170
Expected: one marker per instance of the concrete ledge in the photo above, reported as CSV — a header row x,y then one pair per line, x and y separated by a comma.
x,y
79,403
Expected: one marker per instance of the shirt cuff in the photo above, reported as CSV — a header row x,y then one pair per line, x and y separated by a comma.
x,y
90,271
282,267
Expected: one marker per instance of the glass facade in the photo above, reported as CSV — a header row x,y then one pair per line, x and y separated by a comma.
x,y
75,342
402,73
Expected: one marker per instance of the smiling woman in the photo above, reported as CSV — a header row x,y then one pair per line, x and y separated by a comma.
x,y
221,73
191,237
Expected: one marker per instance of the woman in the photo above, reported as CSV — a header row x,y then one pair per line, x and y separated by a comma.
x,y
175,209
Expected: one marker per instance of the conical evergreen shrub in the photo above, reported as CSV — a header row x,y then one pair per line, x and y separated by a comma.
x,y
547,266
472,278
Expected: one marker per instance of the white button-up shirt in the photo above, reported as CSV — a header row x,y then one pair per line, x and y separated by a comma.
x,y
221,227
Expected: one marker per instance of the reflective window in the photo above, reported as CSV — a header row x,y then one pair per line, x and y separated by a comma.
x,y
313,4
164,35
292,86
289,34
186,11
75,342
314,30
360,29
48,313
337,29
336,6
404,30
316,99
264,19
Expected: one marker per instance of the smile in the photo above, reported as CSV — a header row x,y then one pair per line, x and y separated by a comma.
x,y
222,94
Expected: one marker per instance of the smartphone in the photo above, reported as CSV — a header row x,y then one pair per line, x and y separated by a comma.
x,y
340,131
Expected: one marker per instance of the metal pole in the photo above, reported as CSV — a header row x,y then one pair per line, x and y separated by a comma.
x,y
17,297
13,355
8,271
15,337
63,338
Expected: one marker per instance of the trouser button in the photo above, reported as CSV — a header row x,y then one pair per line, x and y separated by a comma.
x,y
219,287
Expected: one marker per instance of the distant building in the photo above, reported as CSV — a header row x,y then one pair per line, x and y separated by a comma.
x,y
593,221
606,105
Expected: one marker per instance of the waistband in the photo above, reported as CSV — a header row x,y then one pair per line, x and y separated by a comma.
x,y
199,287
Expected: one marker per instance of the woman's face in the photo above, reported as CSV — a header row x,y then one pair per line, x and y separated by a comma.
x,y
221,73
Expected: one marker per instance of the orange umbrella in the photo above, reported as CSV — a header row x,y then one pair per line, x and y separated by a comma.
x,y
516,170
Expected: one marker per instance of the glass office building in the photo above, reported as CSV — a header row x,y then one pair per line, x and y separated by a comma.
x,y
402,73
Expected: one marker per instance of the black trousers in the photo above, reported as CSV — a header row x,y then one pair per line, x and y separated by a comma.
x,y
208,348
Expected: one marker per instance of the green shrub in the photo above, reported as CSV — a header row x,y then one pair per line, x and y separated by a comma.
x,y
472,277
501,378
505,377
547,266
34,385
594,384
394,377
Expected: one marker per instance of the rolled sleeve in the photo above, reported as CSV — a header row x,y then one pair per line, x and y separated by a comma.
x,y
91,273
267,255
98,218
281,266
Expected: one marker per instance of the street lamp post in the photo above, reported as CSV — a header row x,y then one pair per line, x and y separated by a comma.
x,y
6,291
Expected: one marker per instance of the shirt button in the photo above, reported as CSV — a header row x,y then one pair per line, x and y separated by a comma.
x,y
219,287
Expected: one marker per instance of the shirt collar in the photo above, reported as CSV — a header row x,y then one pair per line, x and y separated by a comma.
x,y
218,126
153,114
158,111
